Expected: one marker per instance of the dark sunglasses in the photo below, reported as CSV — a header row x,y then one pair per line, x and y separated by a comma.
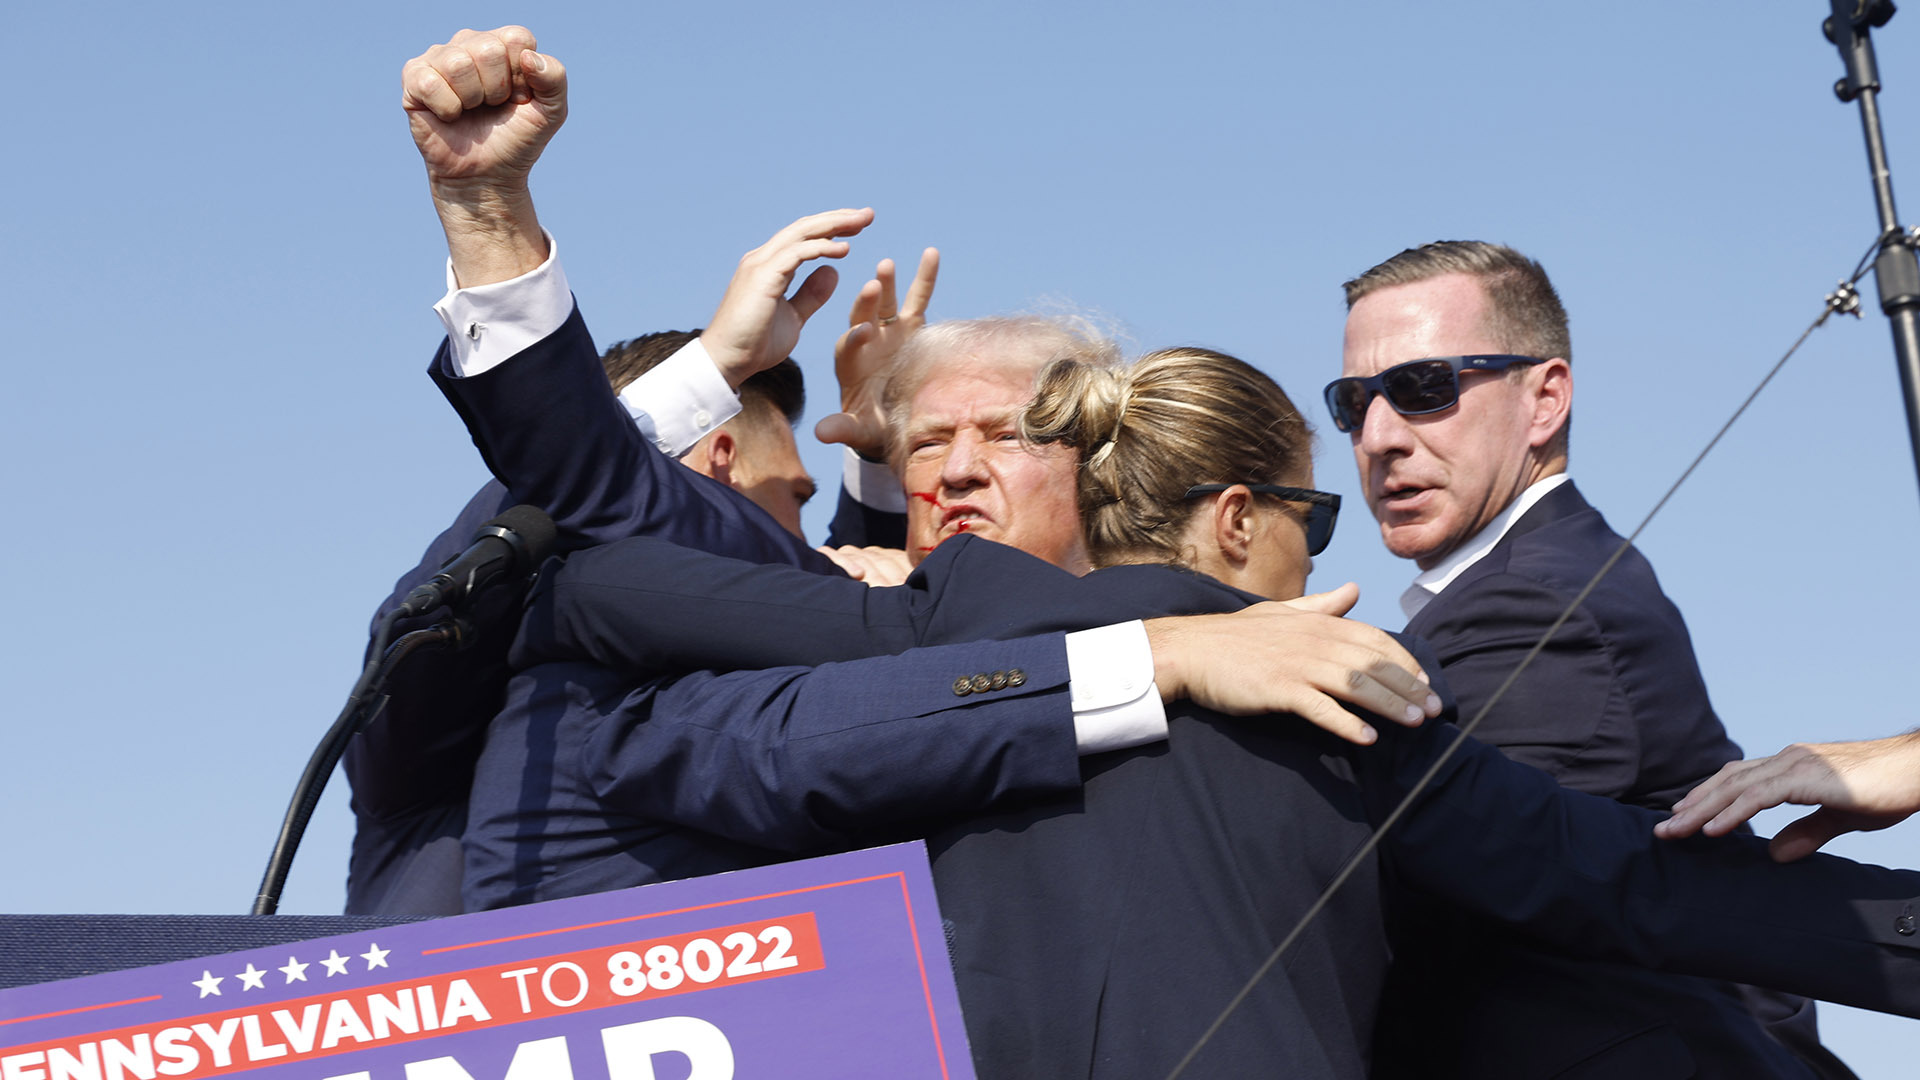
x,y
1414,388
1320,519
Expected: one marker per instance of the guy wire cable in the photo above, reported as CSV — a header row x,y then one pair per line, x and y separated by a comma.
x,y
1845,299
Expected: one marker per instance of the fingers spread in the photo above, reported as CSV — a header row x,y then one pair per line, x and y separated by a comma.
x,y
865,309
1805,836
883,275
829,223
920,293
1324,713
837,428
814,291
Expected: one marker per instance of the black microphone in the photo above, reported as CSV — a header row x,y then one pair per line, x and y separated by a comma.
x,y
509,546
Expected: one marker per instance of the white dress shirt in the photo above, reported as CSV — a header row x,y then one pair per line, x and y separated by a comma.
x,y
1430,583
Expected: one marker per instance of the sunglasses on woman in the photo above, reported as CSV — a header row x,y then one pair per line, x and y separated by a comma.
x,y
1414,388
1324,511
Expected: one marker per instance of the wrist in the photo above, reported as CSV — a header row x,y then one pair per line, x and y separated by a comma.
x,y
492,233
733,365
1163,639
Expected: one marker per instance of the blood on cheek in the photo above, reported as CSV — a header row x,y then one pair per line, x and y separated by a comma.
x,y
932,500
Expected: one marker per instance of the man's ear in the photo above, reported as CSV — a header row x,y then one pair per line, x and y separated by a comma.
x,y
1552,400
721,450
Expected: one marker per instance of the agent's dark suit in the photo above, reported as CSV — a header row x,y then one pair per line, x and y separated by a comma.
x,y
1098,933
553,434
1614,706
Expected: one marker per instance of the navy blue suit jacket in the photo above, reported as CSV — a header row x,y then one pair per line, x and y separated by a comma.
x,y
554,435
1099,931
1614,706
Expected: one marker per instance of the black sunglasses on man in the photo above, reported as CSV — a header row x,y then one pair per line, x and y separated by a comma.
x,y
1415,388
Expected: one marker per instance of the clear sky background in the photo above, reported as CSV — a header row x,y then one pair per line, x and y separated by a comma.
x,y
222,449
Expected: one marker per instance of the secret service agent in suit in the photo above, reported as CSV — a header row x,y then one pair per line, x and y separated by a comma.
x,y
552,435
1457,396
406,856
929,753
411,769
1099,932
1012,890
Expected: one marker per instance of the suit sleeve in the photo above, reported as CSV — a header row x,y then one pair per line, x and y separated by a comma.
x,y
644,606
1568,712
1587,874
551,430
798,759
856,523
419,750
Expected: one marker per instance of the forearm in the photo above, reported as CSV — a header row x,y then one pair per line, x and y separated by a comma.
x,y
645,606
803,759
492,231
1586,874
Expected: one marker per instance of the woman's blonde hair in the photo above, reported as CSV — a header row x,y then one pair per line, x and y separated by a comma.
x,y
1148,432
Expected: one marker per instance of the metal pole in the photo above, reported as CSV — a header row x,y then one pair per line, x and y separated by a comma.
x,y
1896,272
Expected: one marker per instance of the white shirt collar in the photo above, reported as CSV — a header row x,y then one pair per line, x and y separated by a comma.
x,y
1432,582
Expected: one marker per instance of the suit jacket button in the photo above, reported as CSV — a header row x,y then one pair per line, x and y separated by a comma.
x,y
1016,677
981,684
998,682
1903,925
963,686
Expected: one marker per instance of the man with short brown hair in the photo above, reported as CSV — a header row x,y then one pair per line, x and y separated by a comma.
x,y
1465,469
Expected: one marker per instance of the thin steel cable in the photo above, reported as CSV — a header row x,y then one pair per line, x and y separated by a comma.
x,y
1841,299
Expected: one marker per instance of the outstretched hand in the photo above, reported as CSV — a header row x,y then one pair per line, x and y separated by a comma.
x,y
1858,786
878,325
757,325
1292,657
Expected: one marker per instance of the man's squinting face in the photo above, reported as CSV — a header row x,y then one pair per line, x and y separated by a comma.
x,y
966,470
1434,481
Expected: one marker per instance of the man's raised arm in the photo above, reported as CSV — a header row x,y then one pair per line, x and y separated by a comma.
x,y
482,107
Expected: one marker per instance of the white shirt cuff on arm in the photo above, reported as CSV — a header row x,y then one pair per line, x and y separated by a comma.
x,y
1110,679
489,323
680,400
873,484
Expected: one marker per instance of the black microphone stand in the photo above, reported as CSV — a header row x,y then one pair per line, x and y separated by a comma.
x,y
1895,270
362,703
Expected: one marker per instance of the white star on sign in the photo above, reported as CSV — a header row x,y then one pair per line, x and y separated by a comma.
x,y
375,956
253,979
336,964
209,983
295,970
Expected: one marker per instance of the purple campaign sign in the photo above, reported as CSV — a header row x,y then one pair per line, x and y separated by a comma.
x,y
829,967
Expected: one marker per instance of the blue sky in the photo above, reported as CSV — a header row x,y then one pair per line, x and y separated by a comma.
x,y
222,448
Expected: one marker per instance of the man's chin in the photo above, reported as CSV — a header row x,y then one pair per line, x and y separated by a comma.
x,y
1418,541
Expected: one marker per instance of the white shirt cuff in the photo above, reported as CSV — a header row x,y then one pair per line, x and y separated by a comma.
x,y
680,400
489,323
874,485
1110,680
